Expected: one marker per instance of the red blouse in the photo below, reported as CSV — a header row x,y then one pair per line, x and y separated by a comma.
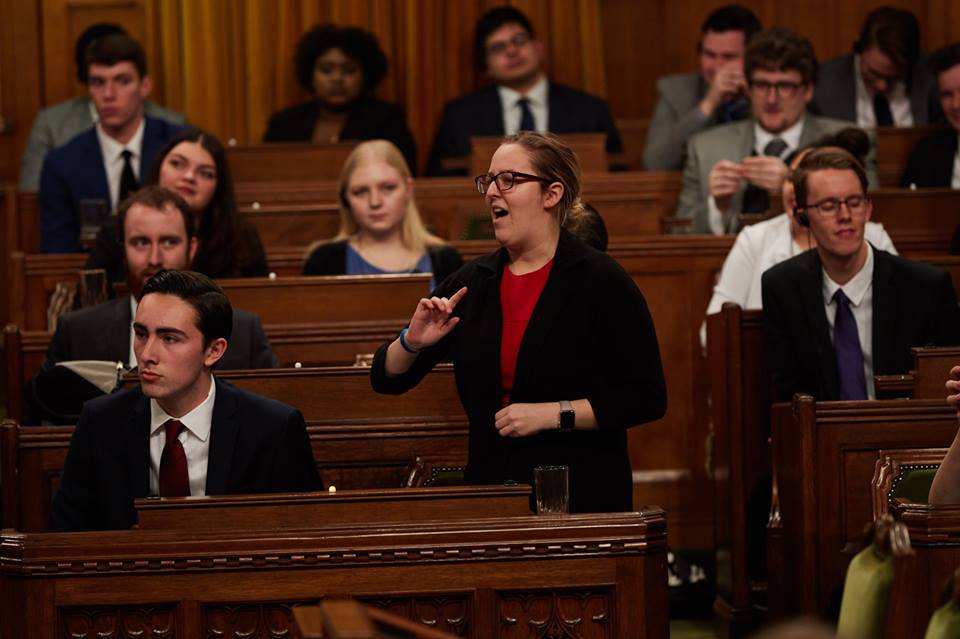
x,y
518,297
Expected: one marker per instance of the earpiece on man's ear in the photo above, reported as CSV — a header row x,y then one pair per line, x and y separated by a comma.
x,y
801,217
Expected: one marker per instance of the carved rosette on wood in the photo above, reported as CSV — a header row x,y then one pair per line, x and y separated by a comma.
x,y
557,615
158,622
448,613
246,621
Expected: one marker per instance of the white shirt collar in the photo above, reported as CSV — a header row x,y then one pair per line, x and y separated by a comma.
x,y
857,287
791,136
112,149
197,421
537,95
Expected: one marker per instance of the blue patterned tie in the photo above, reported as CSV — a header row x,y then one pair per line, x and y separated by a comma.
x,y
846,348
526,116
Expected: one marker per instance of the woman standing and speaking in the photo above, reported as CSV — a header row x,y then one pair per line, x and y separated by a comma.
x,y
554,351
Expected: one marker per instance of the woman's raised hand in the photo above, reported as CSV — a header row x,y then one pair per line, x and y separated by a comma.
x,y
433,320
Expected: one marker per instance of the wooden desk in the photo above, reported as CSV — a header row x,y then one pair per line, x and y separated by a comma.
x,y
283,162
894,145
931,369
824,455
601,575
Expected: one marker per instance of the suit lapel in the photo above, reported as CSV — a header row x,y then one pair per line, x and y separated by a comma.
x,y
811,131
846,92
488,117
224,429
138,448
152,141
884,312
92,169
812,296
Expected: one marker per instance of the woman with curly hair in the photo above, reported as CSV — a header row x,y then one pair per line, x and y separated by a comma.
x,y
341,67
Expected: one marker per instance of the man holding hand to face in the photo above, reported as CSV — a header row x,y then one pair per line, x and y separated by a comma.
x,y
735,168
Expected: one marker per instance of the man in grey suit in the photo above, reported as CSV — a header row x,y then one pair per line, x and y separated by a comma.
x,y
690,102
885,81
735,168
56,125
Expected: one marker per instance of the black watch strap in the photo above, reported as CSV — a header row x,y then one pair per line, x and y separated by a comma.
x,y
568,417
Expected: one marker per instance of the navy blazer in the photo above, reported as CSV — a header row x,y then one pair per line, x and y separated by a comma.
x,y
74,172
569,351
481,114
257,445
914,304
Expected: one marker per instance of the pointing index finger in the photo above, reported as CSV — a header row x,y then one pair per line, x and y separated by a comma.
x,y
456,297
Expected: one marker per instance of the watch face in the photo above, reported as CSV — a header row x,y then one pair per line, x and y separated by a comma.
x,y
567,420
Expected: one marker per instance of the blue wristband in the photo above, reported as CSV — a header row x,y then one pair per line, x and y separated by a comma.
x,y
405,346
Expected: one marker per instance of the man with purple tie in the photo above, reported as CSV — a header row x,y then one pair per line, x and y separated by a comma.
x,y
841,313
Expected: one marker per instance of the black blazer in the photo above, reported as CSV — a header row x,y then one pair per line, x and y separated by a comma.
x,y
931,160
102,332
330,258
913,305
481,113
368,119
590,337
257,445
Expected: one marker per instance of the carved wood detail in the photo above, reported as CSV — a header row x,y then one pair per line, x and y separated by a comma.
x,y
251,621
556,615
448,613
119,623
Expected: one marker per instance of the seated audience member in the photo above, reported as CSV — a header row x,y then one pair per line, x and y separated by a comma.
x,y
690,102
946,483
341,67
589,227
885,81
736,168
761,245
55,125
934,161
103,163
836,316
380,227
521,97
181,432
194,164
158,233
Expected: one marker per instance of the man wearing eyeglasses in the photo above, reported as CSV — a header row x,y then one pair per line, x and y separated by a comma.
x,y
520,99
736,168
841,313
885,81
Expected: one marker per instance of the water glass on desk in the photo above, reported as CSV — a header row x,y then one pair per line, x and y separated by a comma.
x,y
551,485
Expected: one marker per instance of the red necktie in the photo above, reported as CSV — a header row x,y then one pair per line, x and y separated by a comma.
x,y
174,481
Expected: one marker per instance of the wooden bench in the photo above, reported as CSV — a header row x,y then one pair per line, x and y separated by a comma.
x,y
931,369
896,467
284,162
589,575
824,455
921,221
894,145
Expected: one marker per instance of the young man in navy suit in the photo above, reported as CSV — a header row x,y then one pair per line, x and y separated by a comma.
x,y
100,167
521,97
181,432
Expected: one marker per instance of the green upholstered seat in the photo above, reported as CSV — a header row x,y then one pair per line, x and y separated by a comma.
x,y
945,622
866,593
914,483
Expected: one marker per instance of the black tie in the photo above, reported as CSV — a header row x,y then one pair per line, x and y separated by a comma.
x,y
526,116
755,199
846,348
128,181
881,110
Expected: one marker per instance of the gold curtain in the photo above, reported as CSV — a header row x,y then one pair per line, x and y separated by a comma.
x,y
228,64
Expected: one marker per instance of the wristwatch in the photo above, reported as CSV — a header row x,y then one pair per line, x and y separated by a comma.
x,y
567,417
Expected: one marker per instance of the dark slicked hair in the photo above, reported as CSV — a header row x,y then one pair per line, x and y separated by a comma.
x,y
91,33
154,197
490,22
214,313
896,32
589,227
362,46
822,159
732,17
945,59
114,49
779,49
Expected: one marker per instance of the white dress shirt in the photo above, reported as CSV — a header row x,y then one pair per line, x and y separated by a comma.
x,y
195,438
761,137
859,290
537,99
757,248
899,102
112,152
132,357
955,181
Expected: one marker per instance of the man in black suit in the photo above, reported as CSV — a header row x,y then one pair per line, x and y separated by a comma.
x,y
837,315
521,97
934,161
182,432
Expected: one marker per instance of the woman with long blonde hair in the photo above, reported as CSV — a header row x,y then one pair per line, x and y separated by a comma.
x,y
380,227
